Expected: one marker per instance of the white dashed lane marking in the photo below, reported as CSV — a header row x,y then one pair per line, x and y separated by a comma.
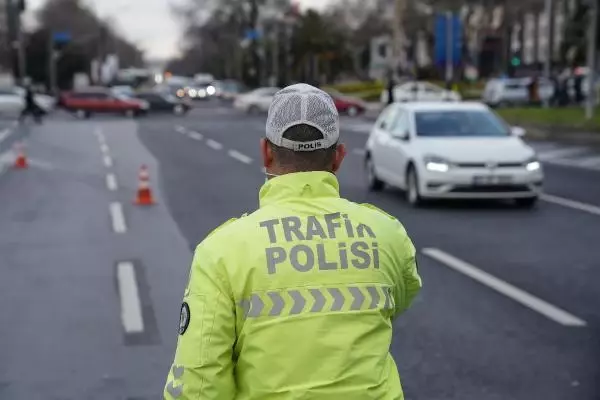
x,y
195,135
111,182
4,134
239,156
180,129
108,162
117,218
131,306
548,310
214,144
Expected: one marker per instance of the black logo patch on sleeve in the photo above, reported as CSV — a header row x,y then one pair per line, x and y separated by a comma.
x,y
184,318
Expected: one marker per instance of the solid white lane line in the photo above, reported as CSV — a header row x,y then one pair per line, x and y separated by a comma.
x,y
359,152
240,157
548,310
131,306
4,134
117,218
551,154
104,148
111,182
593,161
180,129
576,205
108,162
214,144
195,135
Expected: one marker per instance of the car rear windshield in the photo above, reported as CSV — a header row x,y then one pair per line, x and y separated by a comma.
x,y
459,123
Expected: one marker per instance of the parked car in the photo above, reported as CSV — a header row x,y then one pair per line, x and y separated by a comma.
x,y
451,151
12,101
514,91
164,102
420,91
96,101
256,101
345,104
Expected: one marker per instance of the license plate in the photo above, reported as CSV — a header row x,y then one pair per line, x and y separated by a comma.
x,y
492,179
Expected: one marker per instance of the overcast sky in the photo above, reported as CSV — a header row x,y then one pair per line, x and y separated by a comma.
x,y
149,22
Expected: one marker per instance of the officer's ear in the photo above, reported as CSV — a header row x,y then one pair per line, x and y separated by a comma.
x,y
266,152
340,154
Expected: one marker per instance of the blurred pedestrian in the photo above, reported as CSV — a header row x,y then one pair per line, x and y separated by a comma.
x,y
390,88
30,106
296,300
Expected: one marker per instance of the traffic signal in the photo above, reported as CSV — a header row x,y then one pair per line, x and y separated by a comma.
x,y
515,61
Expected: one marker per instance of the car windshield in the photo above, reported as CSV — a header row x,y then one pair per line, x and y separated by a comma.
x,y
459,123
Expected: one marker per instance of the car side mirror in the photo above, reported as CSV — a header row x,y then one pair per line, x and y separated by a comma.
x,y
517,131
404,136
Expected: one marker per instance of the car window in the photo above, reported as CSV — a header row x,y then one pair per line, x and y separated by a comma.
x,y
399,124
426,87
459,123
386,117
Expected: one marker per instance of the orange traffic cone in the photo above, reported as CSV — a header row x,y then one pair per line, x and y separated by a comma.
x,y
21,160
144,194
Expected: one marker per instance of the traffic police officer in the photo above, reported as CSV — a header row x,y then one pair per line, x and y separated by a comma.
x,y
296,300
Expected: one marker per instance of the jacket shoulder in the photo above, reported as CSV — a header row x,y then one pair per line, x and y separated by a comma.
x,y
378,210
225,226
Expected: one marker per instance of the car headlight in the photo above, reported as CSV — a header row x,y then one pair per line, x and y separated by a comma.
x,y
532,165
211,90
192,92
436,164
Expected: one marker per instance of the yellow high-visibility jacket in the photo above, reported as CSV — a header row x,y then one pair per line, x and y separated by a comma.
x,y
296,300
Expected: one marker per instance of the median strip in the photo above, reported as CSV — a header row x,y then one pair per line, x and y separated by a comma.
x,y
548,310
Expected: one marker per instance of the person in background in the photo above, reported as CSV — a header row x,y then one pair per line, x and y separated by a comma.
x,y
30,106
390,88
296,300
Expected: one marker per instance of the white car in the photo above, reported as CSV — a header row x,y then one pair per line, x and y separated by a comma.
x,y
420,91
451,151
12,101
256,101
513,91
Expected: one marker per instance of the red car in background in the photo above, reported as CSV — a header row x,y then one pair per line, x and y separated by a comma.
x,y
84,103
351,106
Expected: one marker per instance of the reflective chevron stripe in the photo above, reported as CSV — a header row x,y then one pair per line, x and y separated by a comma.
x,y
317,300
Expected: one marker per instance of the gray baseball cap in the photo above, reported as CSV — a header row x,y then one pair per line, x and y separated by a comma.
x,y
303,104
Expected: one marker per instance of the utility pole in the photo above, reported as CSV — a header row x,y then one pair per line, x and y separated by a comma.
x,y
398,61
550,50
591,58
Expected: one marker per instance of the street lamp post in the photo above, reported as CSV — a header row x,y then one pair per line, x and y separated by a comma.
x,y
591,59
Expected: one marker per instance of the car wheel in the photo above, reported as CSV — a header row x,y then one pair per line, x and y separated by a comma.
x,y
179,109
373,182
352,111
413,195
527,202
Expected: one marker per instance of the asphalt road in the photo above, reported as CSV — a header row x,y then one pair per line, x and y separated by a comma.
x,y
509,310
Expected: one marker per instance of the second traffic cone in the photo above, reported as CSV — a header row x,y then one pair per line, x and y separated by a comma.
x,y
21,160
144,194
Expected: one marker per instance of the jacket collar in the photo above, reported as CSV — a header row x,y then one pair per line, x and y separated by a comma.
x,y
306,185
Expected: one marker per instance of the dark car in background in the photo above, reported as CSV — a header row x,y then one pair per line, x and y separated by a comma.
x,y
84,103
229,89
164,102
